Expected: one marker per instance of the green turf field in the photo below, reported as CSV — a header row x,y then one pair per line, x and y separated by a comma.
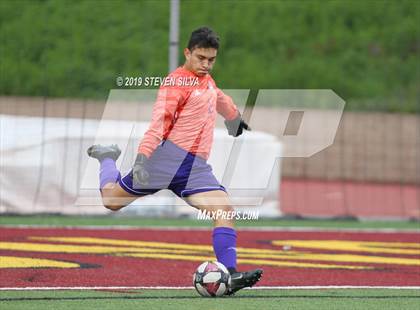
x,y
162,222
188,299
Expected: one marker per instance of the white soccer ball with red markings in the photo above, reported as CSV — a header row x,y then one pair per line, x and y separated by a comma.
x,y
211,279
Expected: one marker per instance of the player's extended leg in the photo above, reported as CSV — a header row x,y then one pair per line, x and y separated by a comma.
x,y
114,197
224,236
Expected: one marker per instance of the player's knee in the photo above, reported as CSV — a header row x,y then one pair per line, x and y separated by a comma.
x,y
226,212
113,207
225,216
111,204
226,208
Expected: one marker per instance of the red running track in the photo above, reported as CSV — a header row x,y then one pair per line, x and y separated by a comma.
x,y
116,270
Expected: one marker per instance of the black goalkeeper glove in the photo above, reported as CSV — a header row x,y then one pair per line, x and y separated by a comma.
x,y
236,126
140,174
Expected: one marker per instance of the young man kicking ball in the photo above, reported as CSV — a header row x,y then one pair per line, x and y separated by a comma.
x,y
174,151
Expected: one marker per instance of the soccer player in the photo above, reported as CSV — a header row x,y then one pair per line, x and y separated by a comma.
x,y
174,150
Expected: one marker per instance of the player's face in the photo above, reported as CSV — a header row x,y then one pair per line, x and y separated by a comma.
x,y
200,60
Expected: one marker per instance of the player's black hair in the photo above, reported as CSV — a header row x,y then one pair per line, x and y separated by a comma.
x,y
203,37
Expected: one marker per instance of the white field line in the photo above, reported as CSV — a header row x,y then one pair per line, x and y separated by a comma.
x,y
316,287
191,228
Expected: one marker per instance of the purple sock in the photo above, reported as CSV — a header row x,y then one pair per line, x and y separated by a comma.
x,y
108,172
224,245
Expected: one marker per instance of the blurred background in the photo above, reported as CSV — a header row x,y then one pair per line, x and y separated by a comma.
x,y
60,59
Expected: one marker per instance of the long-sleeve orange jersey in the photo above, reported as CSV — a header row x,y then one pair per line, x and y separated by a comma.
x,y
186,114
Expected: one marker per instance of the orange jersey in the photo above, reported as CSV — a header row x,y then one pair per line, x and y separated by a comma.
x,y
186,114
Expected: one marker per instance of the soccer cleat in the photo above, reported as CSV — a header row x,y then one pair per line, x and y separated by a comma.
x,y
240,280
101,152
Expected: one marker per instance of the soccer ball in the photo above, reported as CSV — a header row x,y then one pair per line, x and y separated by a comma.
x,y
211,279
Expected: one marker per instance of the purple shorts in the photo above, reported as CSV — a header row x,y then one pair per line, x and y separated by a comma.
x,y
171,167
